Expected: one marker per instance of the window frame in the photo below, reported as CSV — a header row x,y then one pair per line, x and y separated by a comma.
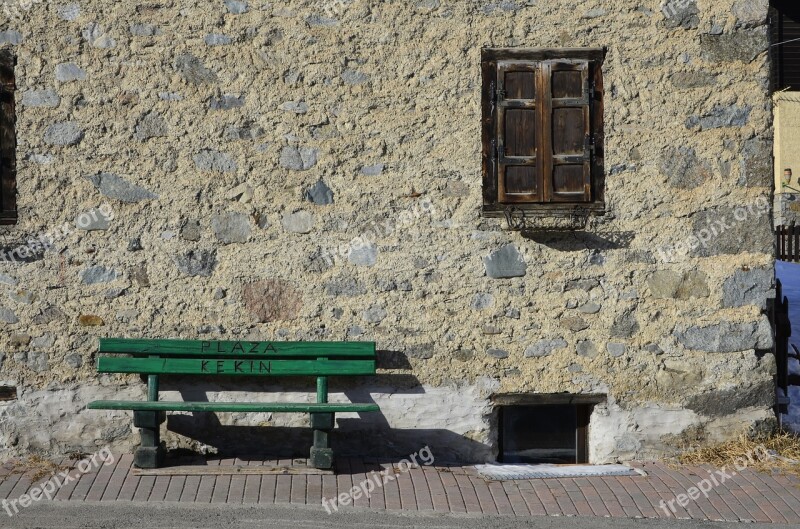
x,y
492,206
8,171
784,17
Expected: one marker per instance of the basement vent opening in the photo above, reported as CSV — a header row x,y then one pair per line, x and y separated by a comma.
x,y
8,393
544,433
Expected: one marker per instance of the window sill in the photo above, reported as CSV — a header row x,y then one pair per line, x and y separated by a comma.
x,y
8,219
562,210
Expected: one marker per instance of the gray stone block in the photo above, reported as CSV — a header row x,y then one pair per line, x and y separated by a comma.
x,y
320,194
586,348
756,163
681,14
319,20
590,308
372,170
8,316
374,314
354,77
49,315
690,80
215,39
727,336
231,227
298,222
97,274
743,46
38,361
720,117
46,97
683,169
144,30
113,186
96,36
727,230
151,125
236,7
545,347
625,326
751,13
667,284
301,159
347,287
65,133
197,262
43,342
505,263
497,353
748,287
190,230
481,301
10,36
93,220
193,70
211,160
226,102
722,402
616,349
298,107
364,254
423,351
67,71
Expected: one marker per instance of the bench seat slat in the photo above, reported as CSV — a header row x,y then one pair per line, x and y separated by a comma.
x,y
227,348
288,407
265,367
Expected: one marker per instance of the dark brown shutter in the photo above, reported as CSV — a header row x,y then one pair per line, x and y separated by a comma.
x,y
567,148
518,138
8,140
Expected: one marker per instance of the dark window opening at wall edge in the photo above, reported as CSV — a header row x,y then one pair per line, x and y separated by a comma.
x,y
8,140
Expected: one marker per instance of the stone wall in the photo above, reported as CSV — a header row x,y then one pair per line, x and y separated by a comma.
x,y
301,170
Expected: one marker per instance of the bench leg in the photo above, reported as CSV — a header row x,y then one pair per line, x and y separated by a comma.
x,y
150,453
321,453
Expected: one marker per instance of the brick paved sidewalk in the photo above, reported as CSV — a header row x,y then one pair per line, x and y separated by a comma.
x,y
748,496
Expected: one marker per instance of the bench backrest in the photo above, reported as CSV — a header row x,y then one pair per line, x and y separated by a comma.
x,y
232,358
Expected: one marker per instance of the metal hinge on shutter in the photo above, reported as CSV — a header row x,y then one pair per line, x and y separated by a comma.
x,y
499,94
588,91
589,145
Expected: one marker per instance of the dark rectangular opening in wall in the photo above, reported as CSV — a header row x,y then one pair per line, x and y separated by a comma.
x,y
544,433
784,19
8,393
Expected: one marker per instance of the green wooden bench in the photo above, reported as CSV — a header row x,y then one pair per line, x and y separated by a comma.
x,y
231,358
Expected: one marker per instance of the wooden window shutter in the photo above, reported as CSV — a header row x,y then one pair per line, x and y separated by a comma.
x,y
568,143
518,137
8,140
542,131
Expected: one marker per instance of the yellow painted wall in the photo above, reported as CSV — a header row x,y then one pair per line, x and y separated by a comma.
x,y
787,139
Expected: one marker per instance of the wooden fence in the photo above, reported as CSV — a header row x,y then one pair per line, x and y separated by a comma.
x,y
788,242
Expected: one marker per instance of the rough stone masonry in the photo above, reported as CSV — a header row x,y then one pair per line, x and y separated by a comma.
x,y
303,171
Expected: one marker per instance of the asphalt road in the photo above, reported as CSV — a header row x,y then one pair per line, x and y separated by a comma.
x,y
125,515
